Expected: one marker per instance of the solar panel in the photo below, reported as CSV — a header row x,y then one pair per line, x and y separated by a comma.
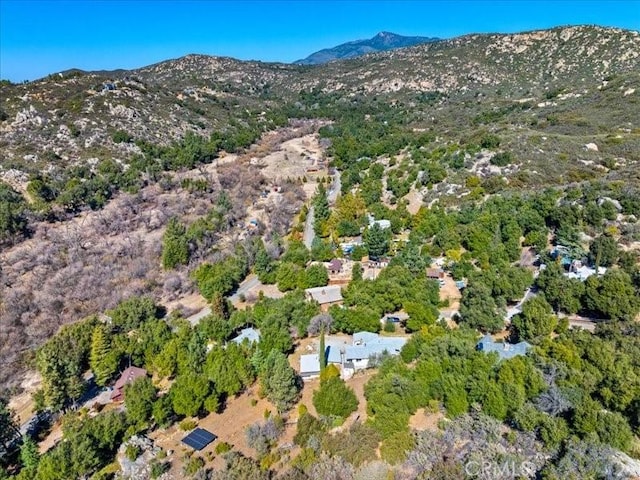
x,y
199,438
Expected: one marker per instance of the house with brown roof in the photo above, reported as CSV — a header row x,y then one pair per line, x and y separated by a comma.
x,y
435,273
127,377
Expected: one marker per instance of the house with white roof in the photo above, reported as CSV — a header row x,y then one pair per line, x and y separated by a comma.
x,y
367,345
249,334
581,272
310,366
325,296
383,224
505,351
364,347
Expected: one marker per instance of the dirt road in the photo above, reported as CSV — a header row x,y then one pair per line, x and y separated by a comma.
x,y
247,284
309,233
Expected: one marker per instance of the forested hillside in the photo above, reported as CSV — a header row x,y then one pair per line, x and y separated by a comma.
x,y
432,254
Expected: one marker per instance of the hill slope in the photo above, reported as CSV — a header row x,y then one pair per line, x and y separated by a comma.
x,y
72,118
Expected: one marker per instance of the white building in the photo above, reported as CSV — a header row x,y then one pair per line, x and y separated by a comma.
x,y
383,224
310,366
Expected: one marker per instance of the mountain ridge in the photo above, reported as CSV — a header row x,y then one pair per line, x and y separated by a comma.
x,y
72,116
383,41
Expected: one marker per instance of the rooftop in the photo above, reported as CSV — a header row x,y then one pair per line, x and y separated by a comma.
x,y
250,334
335,264
129,375
327,294
366,344
504,350
309,363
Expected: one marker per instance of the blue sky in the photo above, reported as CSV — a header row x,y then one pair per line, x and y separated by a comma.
x,y
41,37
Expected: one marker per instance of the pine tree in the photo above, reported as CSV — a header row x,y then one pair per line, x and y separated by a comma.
x,y
335,398
9,427
356,272
219,306
101,361
377,241
321,209
175,246
323,351
29,454
279,381
264,265
139,397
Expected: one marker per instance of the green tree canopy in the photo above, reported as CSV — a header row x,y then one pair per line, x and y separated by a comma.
x,y
535,321
612,296
478,309
103,360
175,245
139,397
279,381
377,241
188,394
335,398
603,251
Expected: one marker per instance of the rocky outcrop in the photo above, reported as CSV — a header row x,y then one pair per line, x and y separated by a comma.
x,y
140,468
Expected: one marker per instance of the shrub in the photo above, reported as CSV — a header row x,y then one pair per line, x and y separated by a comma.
x,y
159,468
132,452
187,424
262,437
222,447
490,141
502,159
120,136
193,465
394,449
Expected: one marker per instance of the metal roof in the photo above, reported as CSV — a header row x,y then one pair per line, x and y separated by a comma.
x,y
251,334
309,363
333,355
327,294
504,350
366,344
364,337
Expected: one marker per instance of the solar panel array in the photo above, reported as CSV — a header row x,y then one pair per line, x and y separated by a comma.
x,y
199,438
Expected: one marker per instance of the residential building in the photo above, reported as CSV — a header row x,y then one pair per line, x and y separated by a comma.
x,y
367,345
128,376
325,296
310,366
383,224
249,334
504,350
435,273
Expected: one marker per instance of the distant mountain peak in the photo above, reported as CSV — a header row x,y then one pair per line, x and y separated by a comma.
x,y
380,42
